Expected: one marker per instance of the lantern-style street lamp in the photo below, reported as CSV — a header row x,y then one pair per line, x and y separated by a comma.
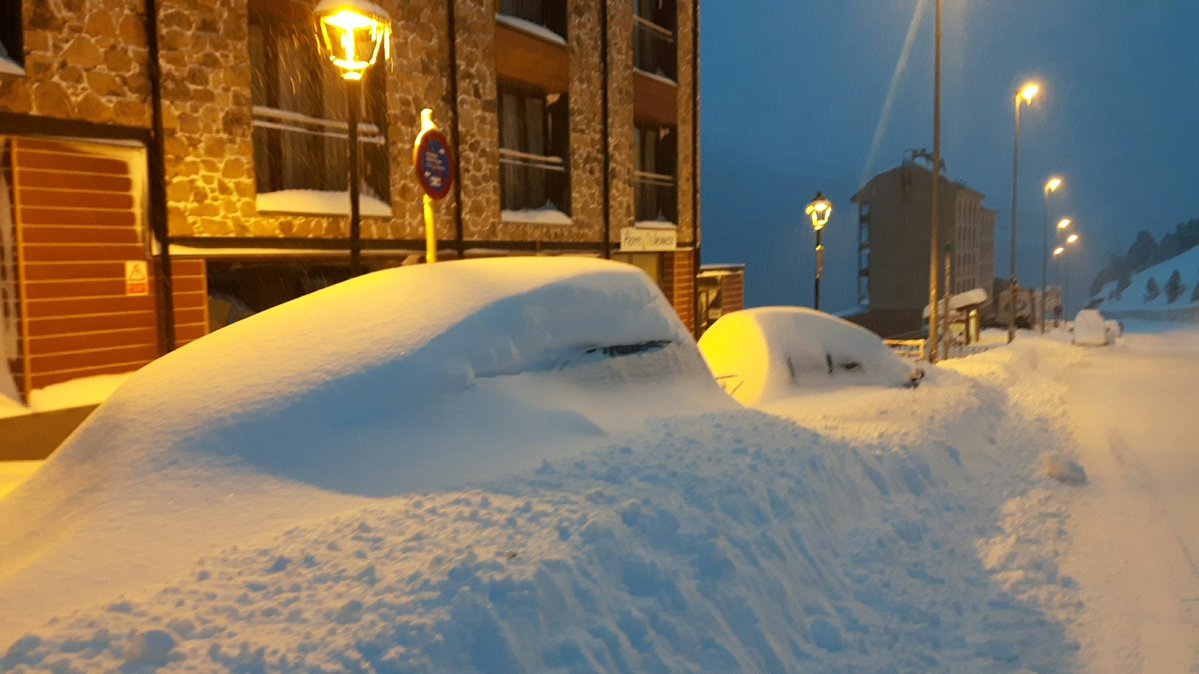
x,y
819,210
353,34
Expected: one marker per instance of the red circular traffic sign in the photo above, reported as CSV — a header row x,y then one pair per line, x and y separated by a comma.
x,y
434,163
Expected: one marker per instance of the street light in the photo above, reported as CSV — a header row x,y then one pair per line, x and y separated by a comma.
x,y
1050,187
1072,238
819,210
1023,97
352,34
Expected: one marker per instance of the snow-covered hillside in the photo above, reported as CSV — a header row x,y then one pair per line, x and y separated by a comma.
x,y
1139,300
534,472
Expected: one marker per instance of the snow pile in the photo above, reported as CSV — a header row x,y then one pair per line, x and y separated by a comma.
x,y
763,354
408,379
1148,294
1063,469
523,465
320,202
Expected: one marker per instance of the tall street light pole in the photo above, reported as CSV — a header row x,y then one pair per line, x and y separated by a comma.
x,y
934,252
819,210
1025,96
352,34
1050,187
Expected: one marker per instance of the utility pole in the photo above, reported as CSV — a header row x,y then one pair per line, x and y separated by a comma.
x,y
934,248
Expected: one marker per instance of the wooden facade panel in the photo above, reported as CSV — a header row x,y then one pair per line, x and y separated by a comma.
x,y
88,306
654,100
83,253
77,270
76,199
190,300
47,378
521,57
66,216
189,332
68,163
53,180
192,315
84,341
79,234
133,353
42,290
58,325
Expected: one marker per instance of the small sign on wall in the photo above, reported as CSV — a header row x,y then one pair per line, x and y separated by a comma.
x,y
634,240
137,278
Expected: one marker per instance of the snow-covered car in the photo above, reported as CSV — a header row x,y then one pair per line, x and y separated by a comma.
x,y
1090,329
409,379
762,354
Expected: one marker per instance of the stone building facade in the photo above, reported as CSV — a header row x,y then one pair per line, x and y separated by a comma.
x,y
245,97
894,216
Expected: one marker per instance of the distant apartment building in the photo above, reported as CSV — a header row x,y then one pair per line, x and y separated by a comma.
x,y
574,124
894,228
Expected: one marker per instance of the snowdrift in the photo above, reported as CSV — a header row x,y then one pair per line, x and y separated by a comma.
x,y
763,354
405,380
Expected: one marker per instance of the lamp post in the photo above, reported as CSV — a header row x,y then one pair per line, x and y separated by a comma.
x,y
1050,187
1062,226
1023,97
819,210
352,34
934,251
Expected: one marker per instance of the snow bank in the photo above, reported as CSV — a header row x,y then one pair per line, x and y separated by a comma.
x,y
404,380
762,354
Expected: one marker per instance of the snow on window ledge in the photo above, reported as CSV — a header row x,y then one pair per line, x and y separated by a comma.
x,y
655,224
653,76
546,215
10,67
534,29
316,202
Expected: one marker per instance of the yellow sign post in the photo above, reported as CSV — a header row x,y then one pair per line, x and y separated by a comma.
x,y
434,166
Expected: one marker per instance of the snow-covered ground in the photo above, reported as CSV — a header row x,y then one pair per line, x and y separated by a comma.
x,y
1137,302
646,523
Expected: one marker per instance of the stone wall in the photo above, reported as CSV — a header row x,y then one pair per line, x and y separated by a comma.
x,y
84,60
621,195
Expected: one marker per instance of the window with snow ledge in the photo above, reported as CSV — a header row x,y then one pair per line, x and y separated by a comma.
x,y
12,44
535,16
655,49
654,180
534,153
300,130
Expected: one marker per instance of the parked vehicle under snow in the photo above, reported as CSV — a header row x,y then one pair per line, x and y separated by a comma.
x,y
759,355
1090,329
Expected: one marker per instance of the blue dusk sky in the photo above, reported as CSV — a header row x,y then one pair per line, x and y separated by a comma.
x,y
793,93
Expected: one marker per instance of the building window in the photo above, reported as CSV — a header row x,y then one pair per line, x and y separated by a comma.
x,y
12,47
300,130
534,150
654,26
549,14
657,158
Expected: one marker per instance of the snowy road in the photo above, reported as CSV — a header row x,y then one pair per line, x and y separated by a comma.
x,y
1136,527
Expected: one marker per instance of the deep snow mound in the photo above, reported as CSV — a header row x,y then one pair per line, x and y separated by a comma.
x,y
764,354
407,379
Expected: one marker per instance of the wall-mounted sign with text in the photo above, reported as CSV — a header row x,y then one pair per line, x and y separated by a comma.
x,y
635,240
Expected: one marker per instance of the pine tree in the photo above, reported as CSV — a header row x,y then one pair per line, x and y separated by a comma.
x,y
1195,291
1151,290
1174,287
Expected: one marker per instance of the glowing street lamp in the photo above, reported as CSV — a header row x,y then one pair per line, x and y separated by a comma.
x,y
1063,224
1024,97
1052,186
1072,238
819,210
353,34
